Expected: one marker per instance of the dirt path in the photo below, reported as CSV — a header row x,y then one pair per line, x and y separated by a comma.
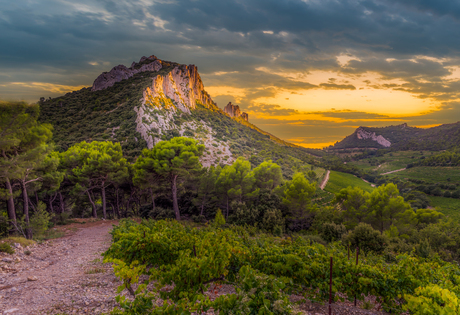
x,y
65,275
402,169
325,180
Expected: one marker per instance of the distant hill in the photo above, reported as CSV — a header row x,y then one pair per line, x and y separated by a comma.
x,y
156,100
402,137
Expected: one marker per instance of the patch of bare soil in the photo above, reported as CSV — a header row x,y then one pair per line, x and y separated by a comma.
x,y
64,275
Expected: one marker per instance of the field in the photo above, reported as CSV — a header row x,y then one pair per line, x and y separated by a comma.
x,y
338,181
433,174
448,206
391,161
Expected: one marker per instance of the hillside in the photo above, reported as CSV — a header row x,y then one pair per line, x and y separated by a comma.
x,y
402,137
156,100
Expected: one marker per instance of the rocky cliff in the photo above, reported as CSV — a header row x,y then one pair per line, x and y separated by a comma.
x,y
361,133
121,72
234,111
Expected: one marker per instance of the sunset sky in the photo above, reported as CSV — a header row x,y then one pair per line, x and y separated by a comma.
x,y
309,72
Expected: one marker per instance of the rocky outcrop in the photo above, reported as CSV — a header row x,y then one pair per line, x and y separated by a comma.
x,y
181,89
121,72
361,133
234,111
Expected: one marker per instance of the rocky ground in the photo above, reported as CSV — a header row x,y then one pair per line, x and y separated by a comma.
x,y
62,276
67,276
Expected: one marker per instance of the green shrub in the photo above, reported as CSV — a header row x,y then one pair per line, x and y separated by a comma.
x,y
332,232
242,214
6,248
273,221
219,220
4,226
40,220
366,238
432,299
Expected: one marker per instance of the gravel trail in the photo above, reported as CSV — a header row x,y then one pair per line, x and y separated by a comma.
x,y
65,275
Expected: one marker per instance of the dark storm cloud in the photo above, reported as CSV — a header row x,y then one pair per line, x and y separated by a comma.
x,y
67,43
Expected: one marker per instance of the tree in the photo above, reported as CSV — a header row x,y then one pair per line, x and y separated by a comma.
x,y
23,148
386,205
354,203
173,161
206,190
236,182
296,196
96,165
267,175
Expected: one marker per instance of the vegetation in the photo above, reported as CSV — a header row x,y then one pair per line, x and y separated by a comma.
x,y
338,181
264,270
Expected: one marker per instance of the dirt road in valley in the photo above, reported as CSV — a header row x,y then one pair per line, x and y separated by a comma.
x,y
325,180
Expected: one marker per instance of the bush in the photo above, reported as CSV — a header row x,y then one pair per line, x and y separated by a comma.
x,y
219,220
273,221
333,232
6,248
423,249
366,238
4,227
243,215
432,299
40,220
313,238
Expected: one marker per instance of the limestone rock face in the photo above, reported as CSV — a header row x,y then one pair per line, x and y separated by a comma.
x,y
182,86
121,72
364,134
234,111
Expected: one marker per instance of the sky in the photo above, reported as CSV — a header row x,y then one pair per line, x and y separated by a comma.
x,y
309,72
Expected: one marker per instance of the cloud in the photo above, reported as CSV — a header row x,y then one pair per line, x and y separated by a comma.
x,y
334,86
410,46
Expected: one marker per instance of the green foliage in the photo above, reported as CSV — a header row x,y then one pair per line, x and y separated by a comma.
x,y
432,299
332,232
170,161
243,215
6,248
262,268
40,220
273,221
366,238
219,220
338,181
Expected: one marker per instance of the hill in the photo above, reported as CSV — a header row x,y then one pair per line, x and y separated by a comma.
x,y
402,137
156,100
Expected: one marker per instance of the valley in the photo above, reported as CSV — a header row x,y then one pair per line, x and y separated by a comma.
x,y
203,198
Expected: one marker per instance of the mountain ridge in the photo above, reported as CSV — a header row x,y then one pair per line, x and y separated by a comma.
x,y
402,137
145,103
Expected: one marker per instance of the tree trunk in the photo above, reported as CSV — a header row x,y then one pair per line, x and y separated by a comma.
x,y
104,210
118,206
10,203
174,195
51,204
25,198
61,203
25,202
92,203
153,198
